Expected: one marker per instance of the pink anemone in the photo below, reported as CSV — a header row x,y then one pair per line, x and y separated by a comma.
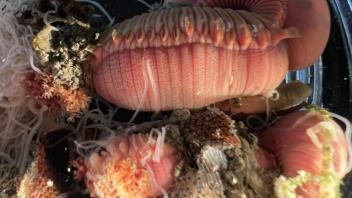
x,y
310,142
131,166
209,51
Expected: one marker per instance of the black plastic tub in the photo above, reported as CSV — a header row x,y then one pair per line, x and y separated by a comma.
x,y
337,69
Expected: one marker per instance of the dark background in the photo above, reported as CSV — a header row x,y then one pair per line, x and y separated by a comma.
x,y
337,72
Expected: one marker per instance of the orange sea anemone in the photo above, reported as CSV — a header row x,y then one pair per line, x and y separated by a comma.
x,y
132,166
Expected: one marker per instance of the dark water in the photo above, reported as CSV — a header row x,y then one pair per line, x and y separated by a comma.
x,y
337,58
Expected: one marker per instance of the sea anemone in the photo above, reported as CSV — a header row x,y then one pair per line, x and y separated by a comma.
x,y
132,166
202,52
191,56
311,18
312,151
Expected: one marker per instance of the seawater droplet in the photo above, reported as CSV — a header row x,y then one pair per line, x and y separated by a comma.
x,y
3,60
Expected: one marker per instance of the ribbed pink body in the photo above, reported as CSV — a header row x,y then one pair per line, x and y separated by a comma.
x,y
193,56
187,76
127,168
293,145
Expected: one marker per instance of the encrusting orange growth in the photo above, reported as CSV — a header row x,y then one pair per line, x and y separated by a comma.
x,y
122,178
55,96
72,100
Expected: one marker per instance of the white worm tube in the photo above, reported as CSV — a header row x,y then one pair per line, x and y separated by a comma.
x,y
348,135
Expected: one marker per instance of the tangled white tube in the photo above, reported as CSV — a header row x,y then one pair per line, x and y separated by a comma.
x,y
18,120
